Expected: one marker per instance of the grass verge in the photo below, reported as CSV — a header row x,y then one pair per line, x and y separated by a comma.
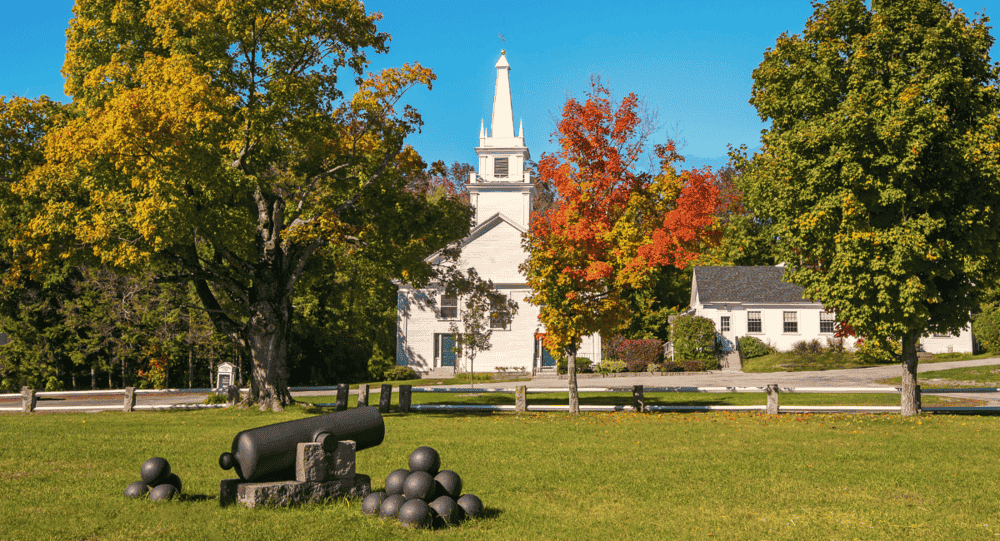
x,y
957,378
830,360
541,476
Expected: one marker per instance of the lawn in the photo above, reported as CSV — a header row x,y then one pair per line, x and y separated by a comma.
x,y
958,378
541,476
830,360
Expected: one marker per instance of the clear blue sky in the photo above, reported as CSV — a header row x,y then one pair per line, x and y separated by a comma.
x,y
692,61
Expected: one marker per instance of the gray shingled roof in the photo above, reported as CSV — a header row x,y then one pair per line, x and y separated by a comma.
x,y
751,285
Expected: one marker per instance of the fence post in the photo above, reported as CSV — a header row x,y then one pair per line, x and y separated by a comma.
x,y
404,398
772,399
129,403
343,390
521,399
362,395
232,395
28,399
638,401
385,398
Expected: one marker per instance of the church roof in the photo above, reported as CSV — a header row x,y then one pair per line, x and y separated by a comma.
x,y
747,285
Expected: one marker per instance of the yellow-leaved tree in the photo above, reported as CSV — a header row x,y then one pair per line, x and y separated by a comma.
x,y
211,142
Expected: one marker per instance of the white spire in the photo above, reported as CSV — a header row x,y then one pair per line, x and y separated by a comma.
x,y
520,129
482,132
503,113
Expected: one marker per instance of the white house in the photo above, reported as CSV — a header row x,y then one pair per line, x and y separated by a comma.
x,y
501,192
755,301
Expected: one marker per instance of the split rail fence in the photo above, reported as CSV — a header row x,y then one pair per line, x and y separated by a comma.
x,y
29,399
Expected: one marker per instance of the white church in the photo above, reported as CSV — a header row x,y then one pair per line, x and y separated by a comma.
x,y
501,193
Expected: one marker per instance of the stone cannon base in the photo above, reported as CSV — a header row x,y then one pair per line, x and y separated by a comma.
x,y
319,475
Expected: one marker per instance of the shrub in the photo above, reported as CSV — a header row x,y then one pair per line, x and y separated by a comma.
x,y
986,328
400,373
582,365
805,348
751,346
694,366
215,398
835,345
636,354
672,366
871,352
611,367
694,338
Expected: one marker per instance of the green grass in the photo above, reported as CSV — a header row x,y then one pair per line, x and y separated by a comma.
x,y
461,379
541,476
958,378
828,360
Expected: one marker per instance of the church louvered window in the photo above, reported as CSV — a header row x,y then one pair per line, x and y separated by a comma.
x,y
500,167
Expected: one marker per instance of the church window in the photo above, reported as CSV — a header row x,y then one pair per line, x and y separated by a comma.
x,y
500,167
499,317
449,306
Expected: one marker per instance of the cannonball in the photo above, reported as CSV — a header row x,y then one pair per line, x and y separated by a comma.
x,y
471,504
137,489
155,471
372,502
394,481
175,481
415,514
390,506
425,459
447,510
419,486
162,493
448,482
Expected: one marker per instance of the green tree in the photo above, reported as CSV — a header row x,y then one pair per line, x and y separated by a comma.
x,y
214,146
880,168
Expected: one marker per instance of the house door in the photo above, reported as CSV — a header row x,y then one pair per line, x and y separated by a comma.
x,y
444,349
546,358
726,334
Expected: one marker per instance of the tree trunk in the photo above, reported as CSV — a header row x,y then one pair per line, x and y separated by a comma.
x,y
909,401
574,398
190,368
267,337
93,378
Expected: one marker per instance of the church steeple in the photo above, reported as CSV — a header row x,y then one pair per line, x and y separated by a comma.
x,y
503,113
501,183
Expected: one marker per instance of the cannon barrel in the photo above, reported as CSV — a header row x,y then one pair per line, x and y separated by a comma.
x,y
269,451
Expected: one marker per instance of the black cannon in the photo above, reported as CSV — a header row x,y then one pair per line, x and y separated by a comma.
x,y
268,452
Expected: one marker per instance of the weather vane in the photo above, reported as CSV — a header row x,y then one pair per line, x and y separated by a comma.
x,y
503,45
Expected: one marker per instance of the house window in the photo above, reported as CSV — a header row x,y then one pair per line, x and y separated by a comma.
x,y
827,321
753,322
449,306
499,318
791,322
724,324
500,167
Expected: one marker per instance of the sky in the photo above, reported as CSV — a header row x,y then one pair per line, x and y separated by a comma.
x,y
692,62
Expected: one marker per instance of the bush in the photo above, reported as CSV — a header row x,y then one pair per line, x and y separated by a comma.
x,y
215,398
672,366
835,345
638,355
611,367
751,346
806,348
582,365
871,352
694,366
694,338
986,328
400,373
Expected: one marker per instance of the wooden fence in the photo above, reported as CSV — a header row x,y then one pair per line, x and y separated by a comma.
x,y
29,399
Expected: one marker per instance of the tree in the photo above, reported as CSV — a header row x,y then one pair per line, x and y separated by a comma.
x,y
611,224
485,309
214,146
880,169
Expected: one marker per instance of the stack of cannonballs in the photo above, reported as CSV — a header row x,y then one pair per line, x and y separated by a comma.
x,y
423,497
157,480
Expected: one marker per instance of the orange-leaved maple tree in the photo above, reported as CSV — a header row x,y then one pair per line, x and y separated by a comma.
x,y
612,224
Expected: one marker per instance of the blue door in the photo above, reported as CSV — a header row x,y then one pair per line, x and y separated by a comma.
x,y
547,358
447,350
